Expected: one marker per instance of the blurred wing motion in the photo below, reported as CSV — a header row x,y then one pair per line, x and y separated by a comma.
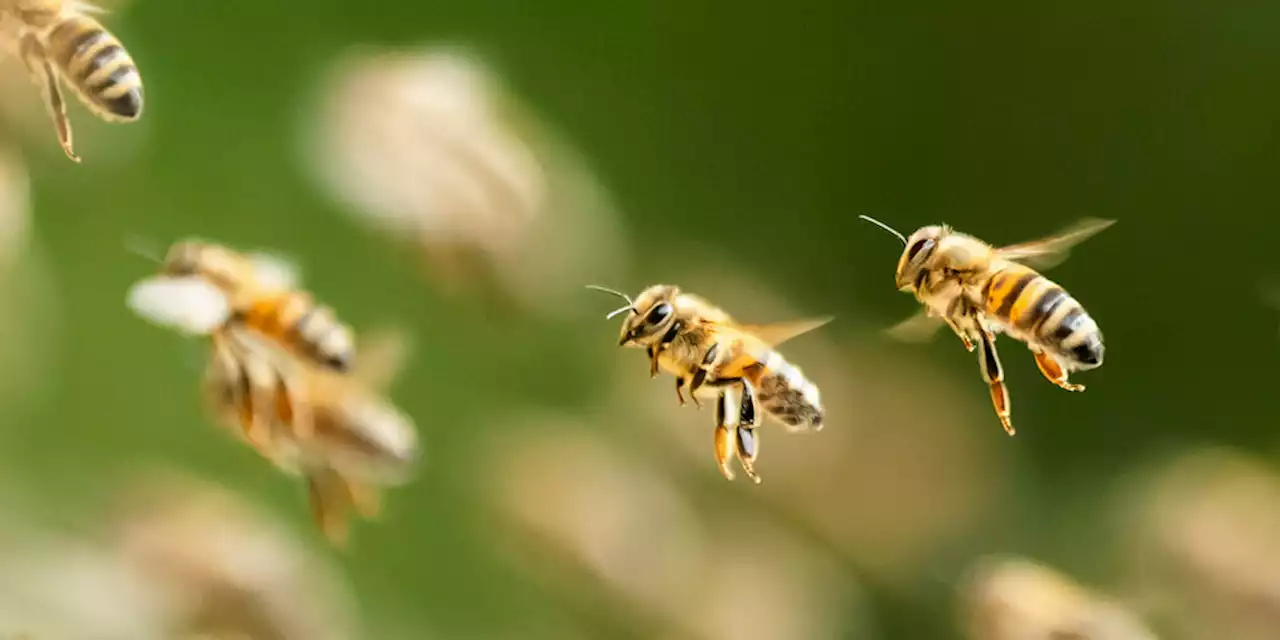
x,y
776,333
188,304
274,273
1049,252
359,442
919,327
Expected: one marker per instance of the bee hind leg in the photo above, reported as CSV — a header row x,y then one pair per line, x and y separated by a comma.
x,y
748,441
42,73
728,414
993,373
1054,371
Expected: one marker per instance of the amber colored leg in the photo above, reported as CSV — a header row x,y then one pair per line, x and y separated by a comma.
x,y
1052,370
964,337
42,74
653,362
726,424
994,375
328,509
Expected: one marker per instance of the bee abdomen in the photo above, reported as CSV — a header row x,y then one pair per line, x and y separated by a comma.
x,y
1040,311
784,393
96,65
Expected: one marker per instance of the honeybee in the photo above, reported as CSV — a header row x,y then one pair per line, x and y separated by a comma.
x,y
205,289
703,347
360,443
978,291
59,40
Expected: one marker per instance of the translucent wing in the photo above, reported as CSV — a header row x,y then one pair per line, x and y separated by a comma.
x,y
920,327
776,333
382,356
275,272
189,304
1051,251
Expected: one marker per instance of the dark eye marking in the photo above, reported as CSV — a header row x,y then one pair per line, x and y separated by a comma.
x,y
659,314
919,246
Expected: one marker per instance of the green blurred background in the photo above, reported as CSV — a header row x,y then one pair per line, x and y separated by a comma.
x,y
741,137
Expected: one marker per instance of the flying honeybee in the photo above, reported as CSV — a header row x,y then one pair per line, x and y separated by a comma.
x,y
705,348
979,290
360,442
205,288
59,40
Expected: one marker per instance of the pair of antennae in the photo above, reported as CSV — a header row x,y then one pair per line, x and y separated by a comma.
x,y
143,248
631,305
885,227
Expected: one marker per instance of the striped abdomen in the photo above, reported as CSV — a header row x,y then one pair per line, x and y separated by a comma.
x,y
96,66
305,328
784,393
1036,310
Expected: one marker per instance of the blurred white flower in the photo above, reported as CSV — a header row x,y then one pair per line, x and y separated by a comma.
x,y
1203,543
426,146
1017,599
594,514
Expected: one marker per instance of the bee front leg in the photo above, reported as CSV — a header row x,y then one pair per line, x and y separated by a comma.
x,y
653,362
42,74
1053,370
994,375
958,308
695,382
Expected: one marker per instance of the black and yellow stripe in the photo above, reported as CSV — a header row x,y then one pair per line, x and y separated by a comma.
x,y
1035,309
95,64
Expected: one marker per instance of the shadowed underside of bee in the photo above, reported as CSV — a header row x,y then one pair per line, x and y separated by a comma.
x,y
706,349
979,291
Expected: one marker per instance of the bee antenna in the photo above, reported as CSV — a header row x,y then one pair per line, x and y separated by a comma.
x,y
630,303
143,248
885,227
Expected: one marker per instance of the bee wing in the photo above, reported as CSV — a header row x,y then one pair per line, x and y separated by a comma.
x,y
275,272
189,304
1051,251
919,327
381,356
776,333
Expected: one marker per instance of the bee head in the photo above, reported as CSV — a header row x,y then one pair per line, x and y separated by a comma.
x,y
920,246
648,317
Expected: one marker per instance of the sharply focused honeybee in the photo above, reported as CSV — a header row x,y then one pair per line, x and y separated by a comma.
x,y
360,442
60,40
979,290
705,348
205,288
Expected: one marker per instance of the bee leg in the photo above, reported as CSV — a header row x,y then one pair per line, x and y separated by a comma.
x,y
366,499
328,506
653,362
953,312
303,423
695,383
1053,370
994,375
42,73
728,414
748,444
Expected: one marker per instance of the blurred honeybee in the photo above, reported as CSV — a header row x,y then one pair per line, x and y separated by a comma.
x,y
59,40
360,441
979,290
204,288
705,348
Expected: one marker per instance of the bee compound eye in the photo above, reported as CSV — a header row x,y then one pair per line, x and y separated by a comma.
x,y
918,247
659,314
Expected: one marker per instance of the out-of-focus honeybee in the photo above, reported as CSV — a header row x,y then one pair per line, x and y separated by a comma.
x,y
59,40
360,441
979,290
705,348
204,288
